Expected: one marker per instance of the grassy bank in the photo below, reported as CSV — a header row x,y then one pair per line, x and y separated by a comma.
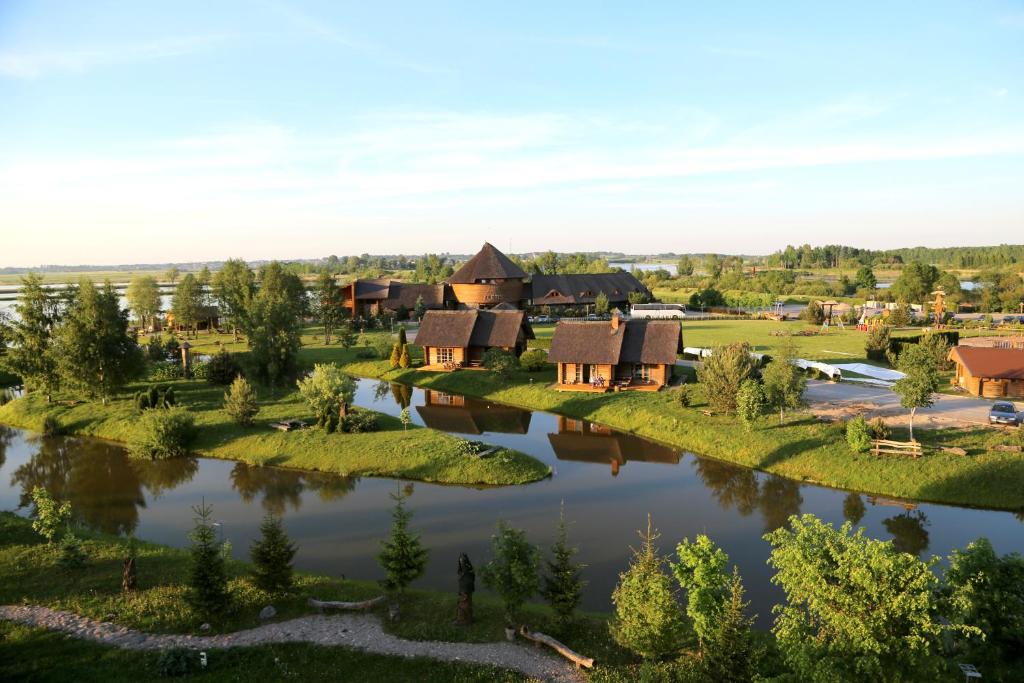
x,y
30,575
414,453
803,449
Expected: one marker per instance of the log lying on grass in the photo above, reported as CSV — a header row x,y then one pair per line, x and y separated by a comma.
x,y
954,450
321,605
1007,448
558,647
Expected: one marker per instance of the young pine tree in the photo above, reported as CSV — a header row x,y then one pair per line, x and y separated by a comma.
x,y
729,652
72,555
208,580
402,340
647,616
396,355
402,556
240,402
403,360
272,557
562,586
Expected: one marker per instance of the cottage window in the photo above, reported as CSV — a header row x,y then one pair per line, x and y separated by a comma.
x,y
443,399
445,355
642,371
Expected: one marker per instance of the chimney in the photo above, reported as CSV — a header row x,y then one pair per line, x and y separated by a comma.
x,y
615,320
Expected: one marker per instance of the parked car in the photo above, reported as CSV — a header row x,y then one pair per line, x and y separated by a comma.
x,y
1003,413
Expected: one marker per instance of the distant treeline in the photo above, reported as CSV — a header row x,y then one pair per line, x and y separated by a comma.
x,y
841,256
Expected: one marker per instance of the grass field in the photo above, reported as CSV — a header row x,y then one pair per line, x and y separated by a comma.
x,y
61,277
416,453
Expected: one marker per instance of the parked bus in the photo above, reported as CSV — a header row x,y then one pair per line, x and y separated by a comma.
x,y
662,311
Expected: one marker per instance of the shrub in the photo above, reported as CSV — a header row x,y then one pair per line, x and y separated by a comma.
x,y
729,655
240,402
402,557
647,619
813,313
878,428
877,344
49,516
534,360
165,371
901,316
272,557
222,368
751,402
327,389
381,347
207,593
155,350
723,372
684,395
176,662
172,348
200,370
858,435
501,363
404,360
701,573
72,555
396,356
512,572
359,421
163,433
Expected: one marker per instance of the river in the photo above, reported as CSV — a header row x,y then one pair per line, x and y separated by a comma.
x,y
608,481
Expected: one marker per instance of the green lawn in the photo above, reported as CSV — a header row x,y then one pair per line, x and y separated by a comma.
x,y
417,453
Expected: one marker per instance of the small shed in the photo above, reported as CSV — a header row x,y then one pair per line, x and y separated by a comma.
x,y
989,372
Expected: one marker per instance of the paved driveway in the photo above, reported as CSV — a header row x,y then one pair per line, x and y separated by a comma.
x,y
845,399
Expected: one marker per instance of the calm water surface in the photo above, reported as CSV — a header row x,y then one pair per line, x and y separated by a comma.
x,y
609,483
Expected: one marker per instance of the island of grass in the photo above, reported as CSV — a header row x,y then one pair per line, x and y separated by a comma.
x,y
415,453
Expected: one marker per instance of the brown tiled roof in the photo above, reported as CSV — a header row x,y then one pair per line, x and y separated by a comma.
x,y
635,341
446,328
373,289
472,328
488,264
499,328
586,342
651,341
990,362
403,294
582,288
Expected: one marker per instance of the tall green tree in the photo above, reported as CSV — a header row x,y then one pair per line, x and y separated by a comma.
x,y
784,382
856,609
684,267
402,555
729,653
143,297
647,618
920,382
601,303
865,278
187,303
207,593
274,321
272,556
562,586
233,287
419,308
701,572
95,354
171,275
915,283
28,335
327,303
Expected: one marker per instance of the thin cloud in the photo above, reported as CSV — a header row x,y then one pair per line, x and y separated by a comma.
x,y
30,65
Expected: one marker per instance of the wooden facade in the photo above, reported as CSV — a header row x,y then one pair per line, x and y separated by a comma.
x,y
458,339
989,372
601,356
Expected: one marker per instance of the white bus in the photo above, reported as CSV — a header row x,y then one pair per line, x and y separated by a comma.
x,y
663,311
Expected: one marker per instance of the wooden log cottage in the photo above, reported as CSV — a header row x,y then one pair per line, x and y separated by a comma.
x,y
456,339
989,372
620,354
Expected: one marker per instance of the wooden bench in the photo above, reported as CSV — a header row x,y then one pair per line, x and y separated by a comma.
x,y
911,448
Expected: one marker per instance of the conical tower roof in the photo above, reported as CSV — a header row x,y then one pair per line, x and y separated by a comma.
x,y
488,264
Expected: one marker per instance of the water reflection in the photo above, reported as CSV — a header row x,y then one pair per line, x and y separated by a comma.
x,y
853,508
104,485
742,489
583,441
6,437
909,532
279,489
462,415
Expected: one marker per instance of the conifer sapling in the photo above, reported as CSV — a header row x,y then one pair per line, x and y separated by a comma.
x,y
272,557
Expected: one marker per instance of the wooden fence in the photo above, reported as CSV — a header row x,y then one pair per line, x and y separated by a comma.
x,y
911,448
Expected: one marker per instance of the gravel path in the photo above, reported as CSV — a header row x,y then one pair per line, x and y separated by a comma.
x,y
357,631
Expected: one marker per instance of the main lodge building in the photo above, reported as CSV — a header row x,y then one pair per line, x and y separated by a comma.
x,y
488,280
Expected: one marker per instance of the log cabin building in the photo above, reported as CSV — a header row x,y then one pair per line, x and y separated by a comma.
x,y
989,372
455,339
491,279
613,355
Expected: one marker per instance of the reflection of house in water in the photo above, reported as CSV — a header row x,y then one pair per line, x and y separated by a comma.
x,y
583,441
451,413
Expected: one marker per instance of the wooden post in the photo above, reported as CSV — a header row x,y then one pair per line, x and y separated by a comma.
x,y
186,360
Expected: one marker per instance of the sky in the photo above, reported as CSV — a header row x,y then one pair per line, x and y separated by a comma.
x,y
156,132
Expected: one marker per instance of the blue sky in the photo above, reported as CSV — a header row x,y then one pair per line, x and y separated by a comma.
x,y
144,132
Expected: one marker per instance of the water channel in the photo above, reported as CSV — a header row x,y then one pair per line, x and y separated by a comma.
x,y
608,480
